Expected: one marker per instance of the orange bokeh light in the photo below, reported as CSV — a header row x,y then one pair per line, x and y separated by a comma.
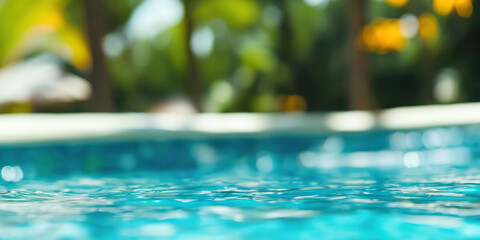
x,y
291,103
443,7
383,36
397,3
464,8
428,26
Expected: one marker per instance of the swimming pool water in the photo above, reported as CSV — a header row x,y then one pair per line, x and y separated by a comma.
x,y
422,184
333,204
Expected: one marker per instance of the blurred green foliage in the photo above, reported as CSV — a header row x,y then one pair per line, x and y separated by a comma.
x,y
251,52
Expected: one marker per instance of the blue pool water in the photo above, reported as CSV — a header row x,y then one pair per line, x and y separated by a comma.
x,y
422,184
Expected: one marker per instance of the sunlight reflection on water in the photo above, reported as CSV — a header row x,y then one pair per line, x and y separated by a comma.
x,y
397,203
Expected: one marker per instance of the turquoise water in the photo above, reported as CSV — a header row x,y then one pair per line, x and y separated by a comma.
x,y
422,184
334,204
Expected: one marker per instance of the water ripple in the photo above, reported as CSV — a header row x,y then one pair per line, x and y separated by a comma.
x,y
397,204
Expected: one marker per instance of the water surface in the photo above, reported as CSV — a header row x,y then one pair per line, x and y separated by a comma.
x,y
339,203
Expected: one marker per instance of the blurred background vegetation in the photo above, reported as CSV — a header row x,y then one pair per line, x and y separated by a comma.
x,y
249,55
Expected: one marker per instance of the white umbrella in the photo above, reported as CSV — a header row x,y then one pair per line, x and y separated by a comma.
x,y
41,81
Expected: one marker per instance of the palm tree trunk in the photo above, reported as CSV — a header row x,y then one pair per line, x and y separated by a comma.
x,y
101,100
195,84
358,82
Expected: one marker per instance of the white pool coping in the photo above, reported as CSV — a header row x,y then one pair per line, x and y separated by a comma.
x,y
25,128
